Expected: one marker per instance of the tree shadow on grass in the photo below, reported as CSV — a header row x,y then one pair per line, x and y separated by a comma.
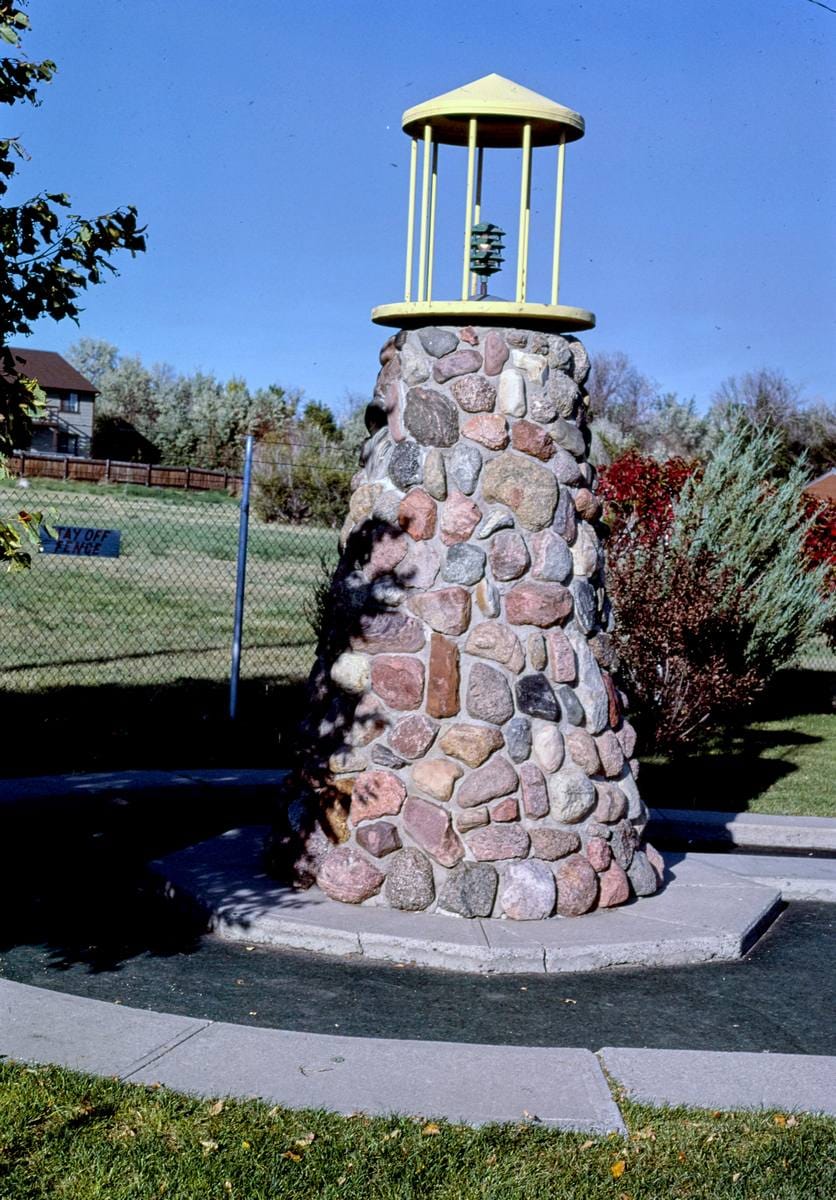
x,y
728,769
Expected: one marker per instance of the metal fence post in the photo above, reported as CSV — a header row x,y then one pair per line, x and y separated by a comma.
x,y
240,579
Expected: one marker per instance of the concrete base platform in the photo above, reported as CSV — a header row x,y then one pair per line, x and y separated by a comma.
x,y
704,913
762,830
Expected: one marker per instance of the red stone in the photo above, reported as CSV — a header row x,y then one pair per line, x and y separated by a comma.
x,y
379,839
469,335
412,737
498,778
610,753
431,827
614,887
488,429
347,875
445,611
540,604
583,751
532,439
561,657
587,505
599,854
399,680
613,702
535,796
506,810
460,362
496,353
459,517
388,632
577,886
376,794
417,515
443,677
494,842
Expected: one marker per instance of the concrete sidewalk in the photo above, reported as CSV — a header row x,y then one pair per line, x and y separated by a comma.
x,y
471,1084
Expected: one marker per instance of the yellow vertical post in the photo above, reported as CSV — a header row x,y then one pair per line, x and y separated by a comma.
x,y
525,208
425,199
468,211
433,198
558,217
410,219
477,207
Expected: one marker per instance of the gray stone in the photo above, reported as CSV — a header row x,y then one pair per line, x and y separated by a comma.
x,y
525,485
465,464
537,656
590,691
572,795
552,558
586,604
508,555
474,393
387,591
565,520
489,695
536,698
409,881
567,435
470,890
564,394
552,844
518,739
528,891
541,406
438,341
414,365
498,519
430,417
622,844
384,757
643,879
565,467
435,475
386,506
580,360
405,465
560,353
487,597
464,564
570,705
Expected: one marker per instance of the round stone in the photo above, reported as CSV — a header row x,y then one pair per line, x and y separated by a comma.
x,y
435,476
540,604
347,875
438,342
495,842
352,673
643,879
417,515
460,362
488,429
537,657
496,353
405,465
412,736
547,743
497,778
535,795
572,796
508,555
446,610
379,839
465,564
436,776
464,465
536,698
583,751
599,853
570,705
529,438
518,739
551,844
526,486
528,891
376,794
577,886
489,695
474,393
614,887
409,882
472,744
399,680
459,517
431,827
552,558
431,418
469,890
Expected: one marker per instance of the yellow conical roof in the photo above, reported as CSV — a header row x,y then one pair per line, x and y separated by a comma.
x,y
501,108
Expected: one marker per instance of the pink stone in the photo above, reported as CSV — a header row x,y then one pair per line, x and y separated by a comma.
x,y
506,810
460,362
626,738
499,841
412,736
459,517
599,854
587,505
492,639
417,515
612,803
583,751
540,604
498,778
551,844
488,429
473,744
399,680
442,677
419,566
431,827
379,839
577,886
445,611
610,753
369,721
496,353
614,887
469,335
488,696
376,794
387,551
532,439
561,657
437,776
528,891
656,861
535,796
388,632
508,555
347,875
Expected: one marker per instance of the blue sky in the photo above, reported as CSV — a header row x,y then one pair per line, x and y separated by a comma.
x,y
262,145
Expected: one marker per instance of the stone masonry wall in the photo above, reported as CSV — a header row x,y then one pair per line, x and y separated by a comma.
x,y
465,749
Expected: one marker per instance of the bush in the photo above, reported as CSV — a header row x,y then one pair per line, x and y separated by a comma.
x,y
710,579
309,491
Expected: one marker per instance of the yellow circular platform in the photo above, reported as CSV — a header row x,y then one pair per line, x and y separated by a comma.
x,y
483,312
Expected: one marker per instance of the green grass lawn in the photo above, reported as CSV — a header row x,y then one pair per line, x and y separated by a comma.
x,y
67,1135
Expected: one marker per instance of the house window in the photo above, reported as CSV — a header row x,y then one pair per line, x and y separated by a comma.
x,y
69,402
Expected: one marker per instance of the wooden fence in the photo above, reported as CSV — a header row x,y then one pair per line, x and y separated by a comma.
x,y
106,470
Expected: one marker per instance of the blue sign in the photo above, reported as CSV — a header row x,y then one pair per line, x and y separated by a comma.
x,y
83,543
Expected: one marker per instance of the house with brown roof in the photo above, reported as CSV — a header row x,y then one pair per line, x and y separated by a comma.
x,y
67,425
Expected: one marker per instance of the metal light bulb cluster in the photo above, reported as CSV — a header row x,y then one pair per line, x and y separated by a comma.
x,y
485,249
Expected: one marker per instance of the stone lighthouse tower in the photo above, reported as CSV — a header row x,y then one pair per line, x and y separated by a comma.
x,y
465,749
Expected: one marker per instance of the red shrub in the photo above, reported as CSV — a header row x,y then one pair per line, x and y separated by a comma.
x,y
639,493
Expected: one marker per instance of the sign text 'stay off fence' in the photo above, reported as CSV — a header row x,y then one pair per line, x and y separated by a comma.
x,y
83,543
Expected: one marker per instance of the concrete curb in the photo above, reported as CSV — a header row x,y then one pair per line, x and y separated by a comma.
x,y
744,829
470,1084
796,878
704,913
